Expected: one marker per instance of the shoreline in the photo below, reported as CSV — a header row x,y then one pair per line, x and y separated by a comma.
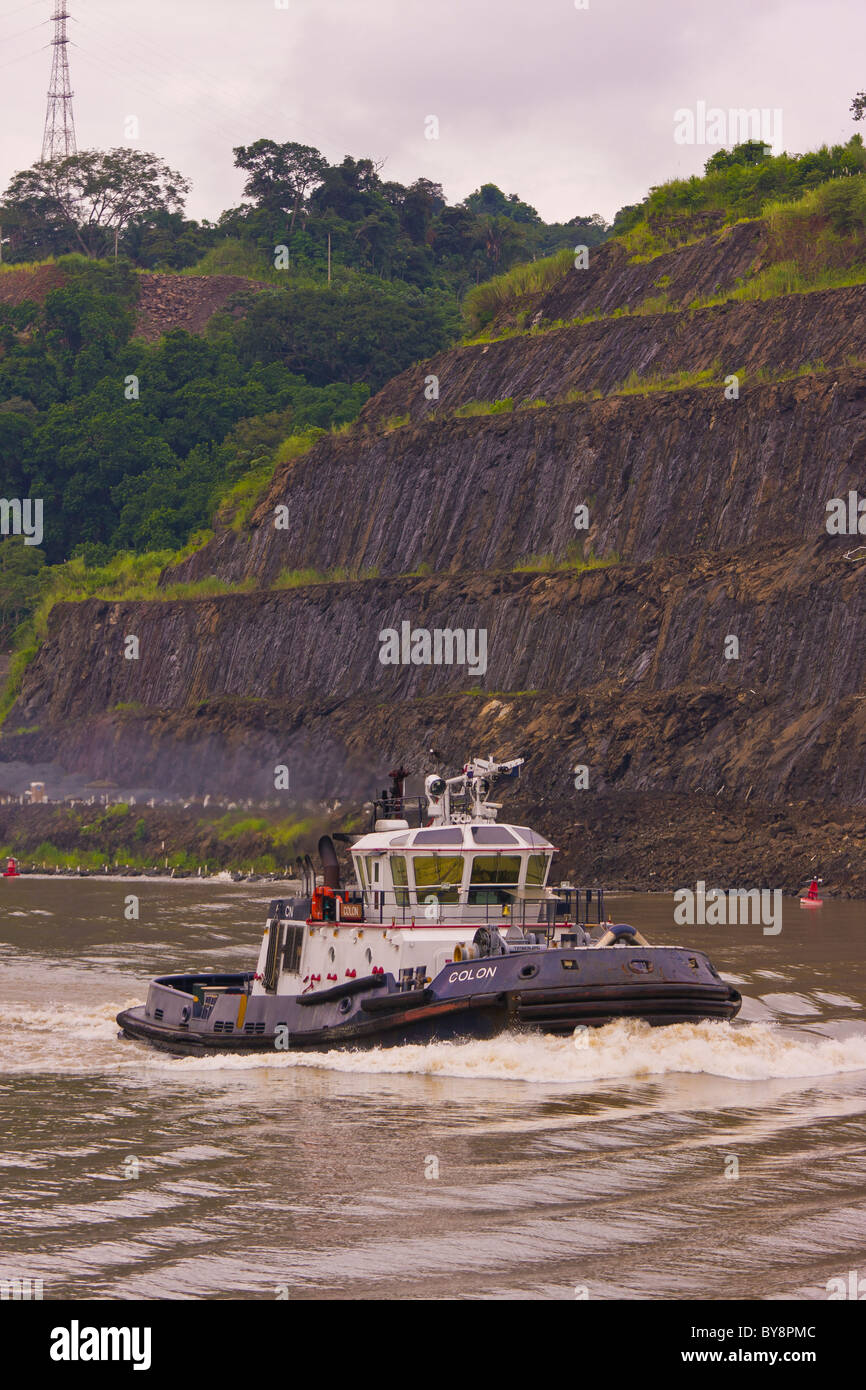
x,y
226,880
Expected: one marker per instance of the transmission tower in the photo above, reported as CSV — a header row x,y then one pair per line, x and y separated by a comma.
x,y
59,137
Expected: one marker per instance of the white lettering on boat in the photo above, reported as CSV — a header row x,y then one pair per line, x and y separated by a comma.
x,y
483,972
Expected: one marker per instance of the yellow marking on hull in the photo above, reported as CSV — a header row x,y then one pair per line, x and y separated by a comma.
x,y
242,1010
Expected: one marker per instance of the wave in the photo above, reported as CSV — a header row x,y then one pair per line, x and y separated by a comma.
x,y
625,1049
85,1039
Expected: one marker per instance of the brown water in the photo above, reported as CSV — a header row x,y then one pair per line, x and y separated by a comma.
x,y
559,1168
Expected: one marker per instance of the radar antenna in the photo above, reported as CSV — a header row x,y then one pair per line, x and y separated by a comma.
x,y
469,791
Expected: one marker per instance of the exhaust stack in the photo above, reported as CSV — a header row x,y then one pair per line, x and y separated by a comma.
x,y
330,863
311,875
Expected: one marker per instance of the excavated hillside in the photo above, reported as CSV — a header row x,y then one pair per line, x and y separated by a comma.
x,y
711,675
164,301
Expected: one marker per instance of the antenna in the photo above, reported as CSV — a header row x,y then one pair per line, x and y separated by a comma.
x,y
59,137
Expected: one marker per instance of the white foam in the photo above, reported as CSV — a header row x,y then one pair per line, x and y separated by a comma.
x,y
67,1038
621,1050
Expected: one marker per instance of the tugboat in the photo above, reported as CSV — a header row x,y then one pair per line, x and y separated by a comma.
x,y
450,931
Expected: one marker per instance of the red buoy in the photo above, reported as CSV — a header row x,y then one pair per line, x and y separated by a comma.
x,y
811,898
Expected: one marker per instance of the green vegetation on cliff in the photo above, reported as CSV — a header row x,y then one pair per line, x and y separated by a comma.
x,y
131,446
144,837
740,183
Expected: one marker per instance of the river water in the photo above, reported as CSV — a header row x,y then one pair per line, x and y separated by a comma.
x,y
698,1161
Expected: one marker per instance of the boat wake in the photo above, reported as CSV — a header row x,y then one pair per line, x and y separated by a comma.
x,y
65,1039
626,1049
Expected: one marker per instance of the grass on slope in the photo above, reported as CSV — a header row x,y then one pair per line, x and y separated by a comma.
x,y
483,303
573,560
814,207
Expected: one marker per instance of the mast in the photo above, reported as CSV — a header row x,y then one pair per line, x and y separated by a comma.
x,y
471,788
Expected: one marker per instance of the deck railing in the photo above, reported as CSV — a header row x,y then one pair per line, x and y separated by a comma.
x,y
392,907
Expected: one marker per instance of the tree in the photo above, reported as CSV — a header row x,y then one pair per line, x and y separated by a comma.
x,y
364,330
749,152
20,569
490,201
351,190
419,206
279,176
858,106
95,195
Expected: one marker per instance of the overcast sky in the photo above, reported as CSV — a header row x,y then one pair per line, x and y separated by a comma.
x,y
571,109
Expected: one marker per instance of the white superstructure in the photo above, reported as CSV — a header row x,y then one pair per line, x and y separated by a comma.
x,y
421,895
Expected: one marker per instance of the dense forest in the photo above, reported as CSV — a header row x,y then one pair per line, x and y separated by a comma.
x,y
131,446
130,202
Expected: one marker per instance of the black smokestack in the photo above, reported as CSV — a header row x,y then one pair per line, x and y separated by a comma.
x,y
330,863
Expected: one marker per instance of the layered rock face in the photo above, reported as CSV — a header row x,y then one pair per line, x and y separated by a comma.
x,y
663,473
720,654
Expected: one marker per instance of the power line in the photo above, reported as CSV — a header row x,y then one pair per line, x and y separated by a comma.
x,y
19,9
263,112
7,38
22,56
137,77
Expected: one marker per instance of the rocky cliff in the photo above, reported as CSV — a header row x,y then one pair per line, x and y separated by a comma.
x,y
709,511
661,473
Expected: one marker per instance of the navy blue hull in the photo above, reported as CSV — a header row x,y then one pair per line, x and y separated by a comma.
x,y
553,991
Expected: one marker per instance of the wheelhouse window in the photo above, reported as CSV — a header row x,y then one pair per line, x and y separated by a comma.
x,y
438,876
489,871
401,879
453,836
536,871
532,837
492,835
496,868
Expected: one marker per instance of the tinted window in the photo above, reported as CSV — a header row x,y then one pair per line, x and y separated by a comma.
x,y
492,835
537,870
292,949
496,868
438,877
530,836
439,837
401,879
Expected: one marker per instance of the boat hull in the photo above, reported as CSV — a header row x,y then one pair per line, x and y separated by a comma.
x,y
552,991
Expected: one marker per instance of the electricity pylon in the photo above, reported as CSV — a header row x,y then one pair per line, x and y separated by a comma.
x,y
59,137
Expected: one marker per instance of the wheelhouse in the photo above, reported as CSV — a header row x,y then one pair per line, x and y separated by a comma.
x,y
459,872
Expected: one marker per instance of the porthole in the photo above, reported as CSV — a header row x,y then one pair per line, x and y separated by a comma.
x,y
528,971
346,1005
